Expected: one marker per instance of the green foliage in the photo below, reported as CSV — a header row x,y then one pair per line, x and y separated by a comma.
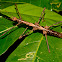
x,y
49,4
40,3
33,48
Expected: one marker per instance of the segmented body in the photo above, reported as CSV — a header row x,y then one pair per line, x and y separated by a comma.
x,y
38,27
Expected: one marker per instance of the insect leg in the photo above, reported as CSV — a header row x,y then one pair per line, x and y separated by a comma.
x,y
17,11
41,16
47,43
9,29
25,30
25,34
55,24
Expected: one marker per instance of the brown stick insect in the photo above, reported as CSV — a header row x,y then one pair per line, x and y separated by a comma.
x,y
36,26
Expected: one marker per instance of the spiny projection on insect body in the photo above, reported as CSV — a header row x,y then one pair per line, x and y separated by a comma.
x,y
35,26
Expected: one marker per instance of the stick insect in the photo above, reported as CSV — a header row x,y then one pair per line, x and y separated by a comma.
x,y
35,26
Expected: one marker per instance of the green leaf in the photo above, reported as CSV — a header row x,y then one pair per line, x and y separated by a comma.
x,y
33,48
40,3
49,4
10,37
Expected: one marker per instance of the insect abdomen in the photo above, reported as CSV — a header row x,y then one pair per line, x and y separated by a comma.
x,y
56,34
